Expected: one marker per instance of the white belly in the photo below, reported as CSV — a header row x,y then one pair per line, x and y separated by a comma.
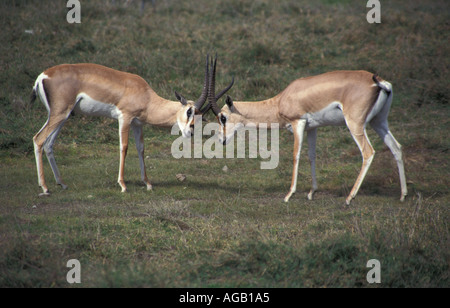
x,y
89,106
331,115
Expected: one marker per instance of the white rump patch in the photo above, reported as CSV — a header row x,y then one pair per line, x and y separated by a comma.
x,y
39,89
381,100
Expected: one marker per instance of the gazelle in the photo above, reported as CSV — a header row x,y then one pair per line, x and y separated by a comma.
x,y
96,90
352,98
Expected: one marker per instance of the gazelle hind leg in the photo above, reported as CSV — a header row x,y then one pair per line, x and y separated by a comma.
x,y
139,139
312,137
298,129
39,165
368,153
44,140
396,149
48,148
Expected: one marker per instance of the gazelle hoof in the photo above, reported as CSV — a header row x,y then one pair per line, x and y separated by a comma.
x,y
122,185
288,196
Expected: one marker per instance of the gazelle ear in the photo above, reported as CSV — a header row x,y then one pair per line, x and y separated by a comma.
x,y
229,101
180,98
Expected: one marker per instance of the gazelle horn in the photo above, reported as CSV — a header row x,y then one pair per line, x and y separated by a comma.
x,y
212,98
202,99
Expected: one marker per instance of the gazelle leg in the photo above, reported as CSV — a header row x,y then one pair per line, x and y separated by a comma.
x,y
298,129
39,165
312,137
139,139
48,148
368,153
396,149
44,140
124,130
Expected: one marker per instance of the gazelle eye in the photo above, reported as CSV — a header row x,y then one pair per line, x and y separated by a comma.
x,y
223,119
189,113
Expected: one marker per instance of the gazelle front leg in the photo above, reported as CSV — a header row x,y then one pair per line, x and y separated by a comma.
x,y
124,130
139,139
312,137
298,128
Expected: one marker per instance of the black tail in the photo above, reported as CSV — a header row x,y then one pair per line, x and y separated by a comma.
x,y
33,96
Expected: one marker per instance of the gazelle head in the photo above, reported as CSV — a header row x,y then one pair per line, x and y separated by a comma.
x,y
230,120
186,115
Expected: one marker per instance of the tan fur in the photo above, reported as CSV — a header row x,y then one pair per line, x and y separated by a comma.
x,y
307,95
354,89
128,92
134,98
355,92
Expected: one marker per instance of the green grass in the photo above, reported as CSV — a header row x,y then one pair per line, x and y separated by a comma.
x,y
226,229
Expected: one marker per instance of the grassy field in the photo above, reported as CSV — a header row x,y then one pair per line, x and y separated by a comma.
x,y
226,229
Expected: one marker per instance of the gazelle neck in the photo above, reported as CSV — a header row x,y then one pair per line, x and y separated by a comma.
x,y
161,111
259,112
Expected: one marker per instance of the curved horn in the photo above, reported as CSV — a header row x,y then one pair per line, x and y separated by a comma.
x,y
212,88
225,90
202,99
212,97
216,98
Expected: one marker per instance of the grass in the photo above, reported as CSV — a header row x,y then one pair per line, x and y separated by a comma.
x,y
226,229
